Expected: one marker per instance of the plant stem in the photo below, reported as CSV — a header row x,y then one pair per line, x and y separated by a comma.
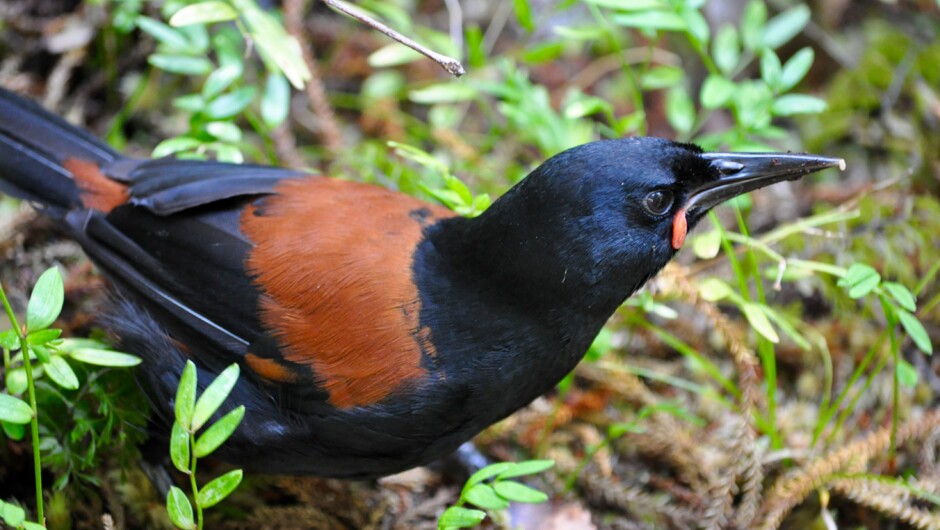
x,y
34,421
192,479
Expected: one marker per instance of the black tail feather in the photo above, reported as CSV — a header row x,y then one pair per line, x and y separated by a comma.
x,y
33,145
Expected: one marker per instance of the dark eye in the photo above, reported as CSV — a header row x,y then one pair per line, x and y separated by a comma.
x,y
658,202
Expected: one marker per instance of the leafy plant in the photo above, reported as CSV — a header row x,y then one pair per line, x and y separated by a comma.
x,y
491,490
186,448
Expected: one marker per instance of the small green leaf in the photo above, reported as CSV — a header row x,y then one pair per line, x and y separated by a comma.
x,y
179,447
716,92
186,397
907,374
12,514
915,331
650,20
228,105
180,63
791,104
860,279
165,35
16,380
758,319
394,54
460,517
41,352
45,302
275,102
726,49
9,340
524,14
707,245
485,497
218,489
43,336
662,77
785,26
14,431
213,396
796,68
218,432
630,5
29,525
220,79
179,509
203,13
680,111
58,370
517,492
100,357
526,467
190,103
489,471
713,290
175,145
224,130
697,27
752,24
901,294
14,409
449,92
770,69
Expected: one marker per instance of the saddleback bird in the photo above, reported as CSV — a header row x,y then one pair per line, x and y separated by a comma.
x,y
375,332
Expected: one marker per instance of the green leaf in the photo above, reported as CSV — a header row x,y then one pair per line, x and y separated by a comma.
x,y
586,106
175,145
791,104
707,245
517,492
41,352
12,514
58,370
680,111
180,64
785,26
14,431
650,20
860,279
99,357
726,49
796,68
43,336
901,294
662,77
487,472
450,92
179,447
394,54
630,5
29,525
278,49
45,302
758,319
220,79
915,330
213,396
530,467
9,340
186,397
224,130
203,13
716,92
524,14
218,489
713,290
485,497
460,517
787,328
752,24
770,69
907,374
165,35
14,409
16,380
228,105
218,432
179,509
697,27
275,102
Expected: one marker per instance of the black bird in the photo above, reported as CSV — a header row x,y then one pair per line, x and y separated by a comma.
x,y
376,332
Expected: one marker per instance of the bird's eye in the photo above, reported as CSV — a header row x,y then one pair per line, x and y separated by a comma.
x,y
658,202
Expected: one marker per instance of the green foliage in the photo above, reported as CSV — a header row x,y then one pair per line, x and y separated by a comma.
x,y
491,490
186,448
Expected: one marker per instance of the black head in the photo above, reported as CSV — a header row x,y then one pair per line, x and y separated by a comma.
x,y
598,220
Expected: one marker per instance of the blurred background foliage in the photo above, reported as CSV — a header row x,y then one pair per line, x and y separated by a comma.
x,y
778,376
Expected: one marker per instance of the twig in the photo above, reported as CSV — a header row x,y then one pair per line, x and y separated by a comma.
x,y
451,65
329,131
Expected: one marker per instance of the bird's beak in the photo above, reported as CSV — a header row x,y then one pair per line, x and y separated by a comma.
x,y
741,173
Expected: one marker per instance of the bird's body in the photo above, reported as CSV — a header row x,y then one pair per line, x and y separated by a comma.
x,y
375,332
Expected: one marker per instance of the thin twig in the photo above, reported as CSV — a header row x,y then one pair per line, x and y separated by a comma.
x,y
316,94
450,64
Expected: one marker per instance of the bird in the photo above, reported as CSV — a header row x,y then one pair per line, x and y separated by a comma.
x,y
376,332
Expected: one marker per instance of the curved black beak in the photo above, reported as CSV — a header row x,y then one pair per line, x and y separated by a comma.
x,y
744,172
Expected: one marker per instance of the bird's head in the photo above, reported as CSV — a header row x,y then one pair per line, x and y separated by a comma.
x,y
610,214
